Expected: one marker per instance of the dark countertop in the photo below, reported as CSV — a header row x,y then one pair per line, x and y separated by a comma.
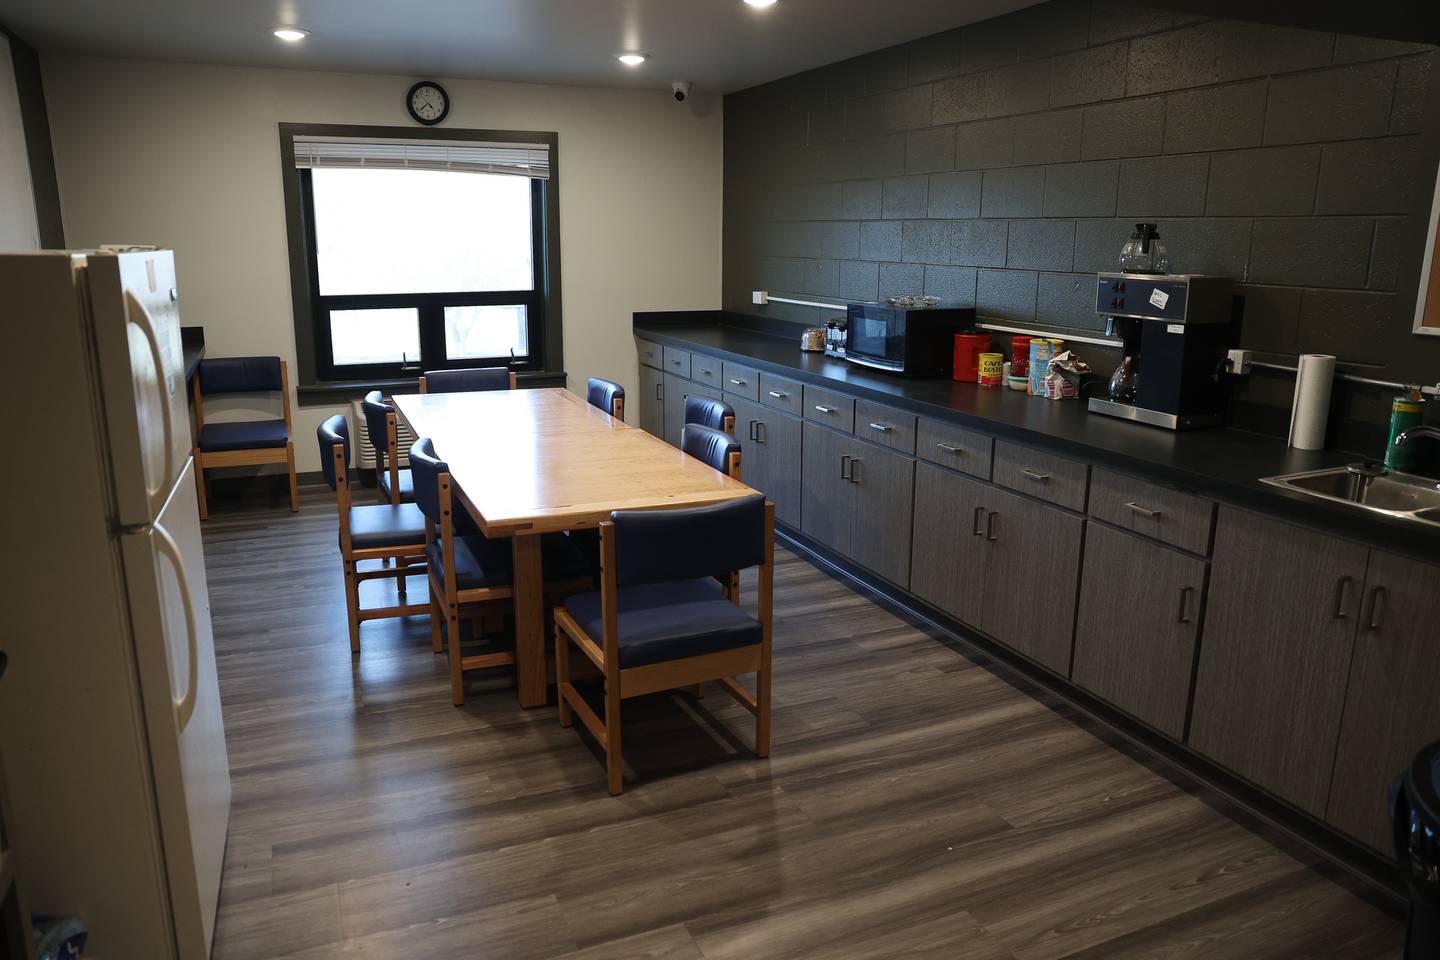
x,y
1221,463
192,349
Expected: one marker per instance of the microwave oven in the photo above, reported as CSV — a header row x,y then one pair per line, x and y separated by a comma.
x,y
913,342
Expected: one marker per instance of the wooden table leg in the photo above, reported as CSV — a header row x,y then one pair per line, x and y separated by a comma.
x,y
529,621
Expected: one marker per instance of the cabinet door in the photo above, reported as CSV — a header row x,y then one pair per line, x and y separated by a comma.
x,y
674,407
1138,622
826,494
948,555
1279,632
652,401
777,443
1033,576
1392,708
885,497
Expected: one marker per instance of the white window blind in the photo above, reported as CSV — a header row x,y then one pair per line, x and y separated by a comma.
x,y
517,159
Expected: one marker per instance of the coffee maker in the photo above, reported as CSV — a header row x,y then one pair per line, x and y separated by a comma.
x,y
1177,330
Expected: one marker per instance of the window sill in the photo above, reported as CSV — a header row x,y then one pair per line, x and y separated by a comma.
x,y
329,393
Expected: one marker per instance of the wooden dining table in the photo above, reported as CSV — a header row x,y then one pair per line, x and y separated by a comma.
x,y
528,462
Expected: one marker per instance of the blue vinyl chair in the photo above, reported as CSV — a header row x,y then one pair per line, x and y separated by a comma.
x,y
713,447
394,482
469,571
467,380
382,532
606,395
249,442
660,621
715,414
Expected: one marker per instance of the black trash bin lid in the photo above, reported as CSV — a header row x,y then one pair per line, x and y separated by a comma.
x,y
1422,784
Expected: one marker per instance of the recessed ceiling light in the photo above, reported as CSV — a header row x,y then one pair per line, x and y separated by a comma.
x,y
631,59
761,3
291,34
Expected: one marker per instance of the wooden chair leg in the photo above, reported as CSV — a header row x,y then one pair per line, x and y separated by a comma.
x,y
562,676
294,484
435,615
762,715
614,759
200,485
401,578
352,604
457,679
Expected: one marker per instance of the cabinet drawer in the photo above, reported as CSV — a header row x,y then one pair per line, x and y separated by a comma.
x,y
885,425
780,393
677,362
955,447
744,381
1168,515
1060,480
705,370
650,354
830,408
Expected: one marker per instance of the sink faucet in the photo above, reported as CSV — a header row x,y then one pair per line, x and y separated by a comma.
x,y
1415,433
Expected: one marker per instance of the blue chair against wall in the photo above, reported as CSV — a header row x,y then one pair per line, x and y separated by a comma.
x,y
659,620
383,532
715,414
246,443
607,395
467,380
470,572
393,481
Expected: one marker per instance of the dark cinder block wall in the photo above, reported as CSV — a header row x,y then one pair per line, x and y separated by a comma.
x,y
1004,163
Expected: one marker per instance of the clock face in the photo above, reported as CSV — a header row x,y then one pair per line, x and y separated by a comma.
x,y
428,102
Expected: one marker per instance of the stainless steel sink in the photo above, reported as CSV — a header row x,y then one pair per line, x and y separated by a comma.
x,y
1369,488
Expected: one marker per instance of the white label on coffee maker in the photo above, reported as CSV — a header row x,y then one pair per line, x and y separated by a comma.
x,y
1174,328
1159,298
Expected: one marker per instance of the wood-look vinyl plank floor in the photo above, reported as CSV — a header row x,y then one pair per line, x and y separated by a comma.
x,y
918,803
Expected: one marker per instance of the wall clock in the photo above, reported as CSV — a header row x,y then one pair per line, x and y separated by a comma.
x,y
428,102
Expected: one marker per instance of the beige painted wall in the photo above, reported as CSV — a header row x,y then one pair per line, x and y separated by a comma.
x,y
188,156
18,229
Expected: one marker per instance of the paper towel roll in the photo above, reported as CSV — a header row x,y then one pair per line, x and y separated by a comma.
x,y
1313,380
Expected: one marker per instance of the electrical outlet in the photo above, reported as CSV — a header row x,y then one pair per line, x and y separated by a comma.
x,y
759,296
1240,362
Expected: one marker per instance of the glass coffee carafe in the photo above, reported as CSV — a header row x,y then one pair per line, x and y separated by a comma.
x,y
1143,252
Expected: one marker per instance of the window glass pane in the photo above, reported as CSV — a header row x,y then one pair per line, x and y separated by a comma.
x,y
375,336
488,331
421,231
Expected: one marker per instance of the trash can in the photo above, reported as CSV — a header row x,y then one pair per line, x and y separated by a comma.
x,y
1416,812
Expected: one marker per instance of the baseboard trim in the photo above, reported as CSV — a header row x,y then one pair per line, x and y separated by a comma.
x,y
1376,879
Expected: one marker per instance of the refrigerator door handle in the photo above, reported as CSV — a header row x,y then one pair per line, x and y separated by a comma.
x,y
185,705
141,317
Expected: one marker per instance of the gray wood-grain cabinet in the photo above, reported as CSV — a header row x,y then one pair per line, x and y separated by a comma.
x,y
948,556
827,496
1138,623
858,499
1392,708
769,455
676,389
1274,666
650,405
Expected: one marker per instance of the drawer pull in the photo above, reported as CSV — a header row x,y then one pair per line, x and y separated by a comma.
x,y
824,409
1038,477
678,363
1341,587
975,524
1377,609
1150,514
990,533
882,427
738,382
1185,593
706,372
779,394
950,448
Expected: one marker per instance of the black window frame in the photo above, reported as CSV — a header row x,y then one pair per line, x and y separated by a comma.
x,y
318,374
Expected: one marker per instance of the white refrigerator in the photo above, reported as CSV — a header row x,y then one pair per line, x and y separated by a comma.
x,y
110,723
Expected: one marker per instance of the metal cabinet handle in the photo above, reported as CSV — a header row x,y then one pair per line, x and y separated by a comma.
x,y
779,394
950,448
854,474
678,363
737,382
975,524
1041,477
1185,593
882,427
752,430
707,372
1151,514
659,391
1377,608
1340,588
824,409
844,468
990,533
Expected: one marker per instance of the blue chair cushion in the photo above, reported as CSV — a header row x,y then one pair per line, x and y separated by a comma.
x,y
248,435
659,622
386,525
407,484
479,562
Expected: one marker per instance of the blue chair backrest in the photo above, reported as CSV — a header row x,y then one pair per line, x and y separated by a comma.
x,y
425,470
334,430
463,381
240,375
662,546
709,445
707,412
376,410
603,393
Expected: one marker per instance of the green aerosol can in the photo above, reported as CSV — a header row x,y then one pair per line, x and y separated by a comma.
x,y
1406,411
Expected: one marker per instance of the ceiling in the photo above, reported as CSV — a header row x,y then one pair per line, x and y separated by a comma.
x,y
719,45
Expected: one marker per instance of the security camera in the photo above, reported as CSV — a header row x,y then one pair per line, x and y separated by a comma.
x,y
681,89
